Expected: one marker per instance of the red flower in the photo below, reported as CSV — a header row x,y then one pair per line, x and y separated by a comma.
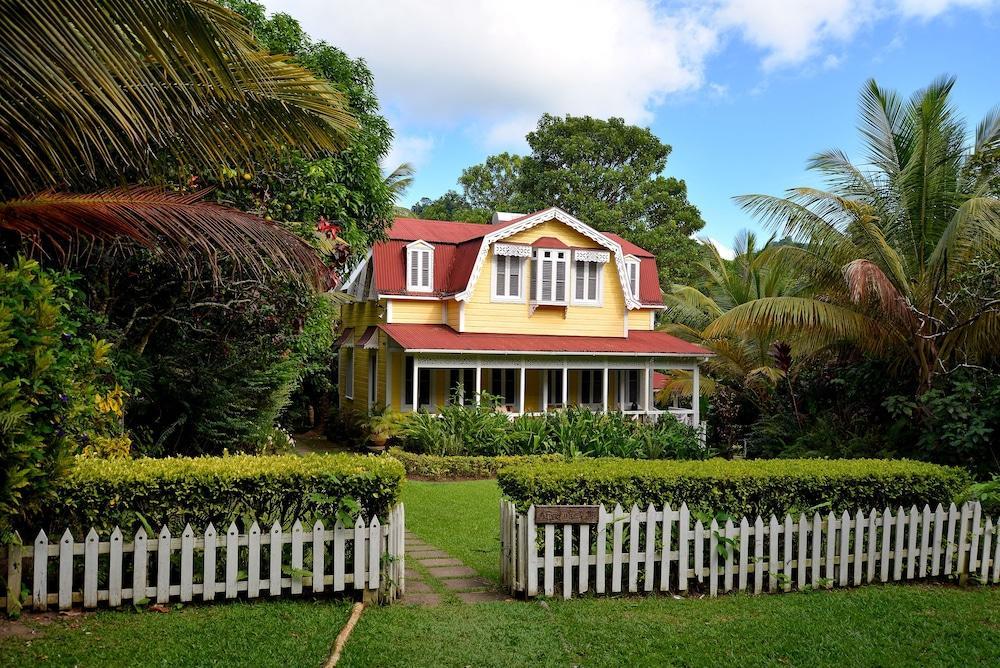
x,y
326,227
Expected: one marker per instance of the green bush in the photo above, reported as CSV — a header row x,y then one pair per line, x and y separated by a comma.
x,y
483,431
51,382
438,467
737,488
198,490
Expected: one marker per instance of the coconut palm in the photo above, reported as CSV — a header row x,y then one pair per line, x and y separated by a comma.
x,y
725,284
400,180
899,254
104,93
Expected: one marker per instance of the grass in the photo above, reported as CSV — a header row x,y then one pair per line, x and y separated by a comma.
x,y
927,625
461,518
279,633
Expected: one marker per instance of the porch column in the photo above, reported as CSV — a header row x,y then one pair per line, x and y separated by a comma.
x,y
604,387
695,397
647,388
479,381
416,385
520,394
565,397
545,390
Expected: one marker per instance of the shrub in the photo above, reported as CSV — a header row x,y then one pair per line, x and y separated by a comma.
x,y
483,431
199,490
743,487
51,405
438,467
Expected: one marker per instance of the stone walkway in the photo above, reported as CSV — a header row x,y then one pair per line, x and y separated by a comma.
x,y
433,576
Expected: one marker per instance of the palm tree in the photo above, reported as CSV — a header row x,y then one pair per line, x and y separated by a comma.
x,y
400,180
725,284
899,254
104,93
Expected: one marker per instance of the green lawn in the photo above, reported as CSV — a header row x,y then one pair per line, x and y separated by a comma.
x,y
926,625
280,633
461,518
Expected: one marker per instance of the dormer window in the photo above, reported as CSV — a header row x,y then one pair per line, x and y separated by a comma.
x,y
419,267
551,269
632,273
588,265
508,272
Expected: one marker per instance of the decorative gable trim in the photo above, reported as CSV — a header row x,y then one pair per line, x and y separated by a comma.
x,y
353,276
513,250
552,213
589,255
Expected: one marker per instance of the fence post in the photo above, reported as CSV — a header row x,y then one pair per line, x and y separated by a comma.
x,y
14,576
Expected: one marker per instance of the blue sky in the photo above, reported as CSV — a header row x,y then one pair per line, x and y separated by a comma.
x,y
743,90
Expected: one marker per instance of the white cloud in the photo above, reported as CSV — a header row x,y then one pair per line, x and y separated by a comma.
x,y
490,68
408,148
502,64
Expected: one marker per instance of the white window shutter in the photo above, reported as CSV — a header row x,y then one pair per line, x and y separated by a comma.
x,y
501,261
425,269
560,281
514,268
414,267
580,279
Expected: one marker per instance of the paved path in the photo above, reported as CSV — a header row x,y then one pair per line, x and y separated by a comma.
x,y
434,576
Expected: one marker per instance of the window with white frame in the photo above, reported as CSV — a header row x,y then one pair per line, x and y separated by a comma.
x,y
419,267
592,386
551,269
632,273
348,372
587,282
554,387
507,278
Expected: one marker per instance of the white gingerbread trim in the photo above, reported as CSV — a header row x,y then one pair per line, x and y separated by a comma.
x,y
590,255
536,219
515,250
346,287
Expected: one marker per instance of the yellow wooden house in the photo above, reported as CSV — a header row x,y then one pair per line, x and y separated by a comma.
x,y
540,310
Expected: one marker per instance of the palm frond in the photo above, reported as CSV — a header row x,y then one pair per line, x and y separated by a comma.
x,y
178,227
93,87
400,179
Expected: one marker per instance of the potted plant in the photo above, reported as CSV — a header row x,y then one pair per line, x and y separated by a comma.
x,y
381,427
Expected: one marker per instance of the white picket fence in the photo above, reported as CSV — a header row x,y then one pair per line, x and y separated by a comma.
x,y
660,549
368,558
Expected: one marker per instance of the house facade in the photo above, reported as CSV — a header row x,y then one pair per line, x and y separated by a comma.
x,y
540,310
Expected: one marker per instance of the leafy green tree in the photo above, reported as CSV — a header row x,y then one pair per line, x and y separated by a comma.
x,y
901,255
609,174
344,188
606,172
450,206
494,185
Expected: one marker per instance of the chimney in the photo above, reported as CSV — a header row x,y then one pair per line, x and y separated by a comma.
x,y
504,217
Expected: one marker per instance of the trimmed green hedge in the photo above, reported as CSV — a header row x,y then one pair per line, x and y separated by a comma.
x,y
452,467
737,488
175,491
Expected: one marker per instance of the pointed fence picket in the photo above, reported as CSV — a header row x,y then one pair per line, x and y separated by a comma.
x,y
665,549
107,570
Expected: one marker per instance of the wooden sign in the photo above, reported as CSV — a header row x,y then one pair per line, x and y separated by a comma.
x,y
566,514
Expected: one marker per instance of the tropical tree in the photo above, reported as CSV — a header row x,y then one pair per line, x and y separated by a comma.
x,y
724,284
400,179
144,88
899,255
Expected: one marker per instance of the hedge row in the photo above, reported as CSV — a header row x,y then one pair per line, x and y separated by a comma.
x,y
175,491
453,467
735,488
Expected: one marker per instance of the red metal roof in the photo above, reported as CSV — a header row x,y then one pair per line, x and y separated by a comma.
x,y
548,242
344,337
659,380
443,337
456,246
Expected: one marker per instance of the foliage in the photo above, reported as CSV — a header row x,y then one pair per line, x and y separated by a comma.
x,y
607,173
344,187
987,493
56,392
139,93
738,488
450,206
347,426
183,77
467,467
900,255
175,491
484,431
961,420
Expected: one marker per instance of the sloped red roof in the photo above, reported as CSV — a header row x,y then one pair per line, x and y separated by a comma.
x,y
365,338
456,246
443,337
659,380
